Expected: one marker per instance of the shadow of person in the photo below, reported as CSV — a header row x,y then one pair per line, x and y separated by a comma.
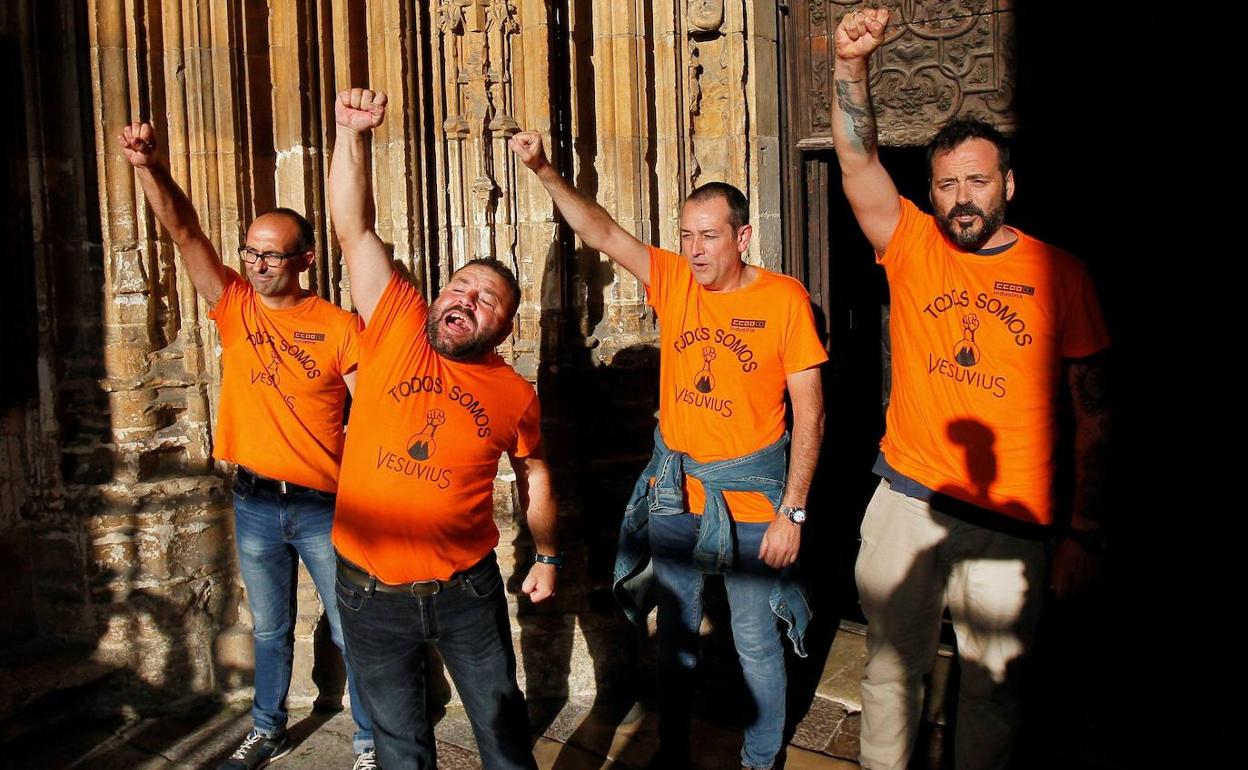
x,y
965,548
977,504
585,402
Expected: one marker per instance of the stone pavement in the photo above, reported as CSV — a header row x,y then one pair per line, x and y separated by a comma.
x,y
580,738
575,735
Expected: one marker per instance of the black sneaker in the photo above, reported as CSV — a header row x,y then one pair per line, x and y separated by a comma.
x,y
257,751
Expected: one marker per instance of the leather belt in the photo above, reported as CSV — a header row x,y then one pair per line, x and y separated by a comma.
x,y
416,588
265,484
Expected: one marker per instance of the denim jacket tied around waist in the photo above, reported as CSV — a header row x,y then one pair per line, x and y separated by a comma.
x,y
763,471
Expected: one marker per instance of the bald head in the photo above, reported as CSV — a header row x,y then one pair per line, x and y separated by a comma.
x,y
290,226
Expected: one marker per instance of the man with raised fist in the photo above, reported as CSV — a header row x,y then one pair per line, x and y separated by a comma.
x,y
984,319
724,493
434,409
287,357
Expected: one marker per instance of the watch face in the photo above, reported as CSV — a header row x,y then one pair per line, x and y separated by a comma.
x,y
794,514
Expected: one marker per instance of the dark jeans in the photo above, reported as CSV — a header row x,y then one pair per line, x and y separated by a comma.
x,y
469,626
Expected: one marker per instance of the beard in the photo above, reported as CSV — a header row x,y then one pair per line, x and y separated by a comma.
x,y
480,342
971,238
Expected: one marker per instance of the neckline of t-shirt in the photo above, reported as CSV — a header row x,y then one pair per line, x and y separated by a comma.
x,y
737,292
299,306
995,253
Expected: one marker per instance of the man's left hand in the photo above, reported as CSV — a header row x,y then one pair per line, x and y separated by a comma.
x,y
540,583
780,543
1075,567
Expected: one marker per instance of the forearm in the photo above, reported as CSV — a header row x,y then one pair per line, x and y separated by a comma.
x,y
537,498
351,211
1088,383
1091,473
592,223
806,396
350,189
176,214
169,203
803,458
854,130
541,513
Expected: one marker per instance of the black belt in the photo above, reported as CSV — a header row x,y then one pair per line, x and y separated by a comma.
x,y
265,484
371,584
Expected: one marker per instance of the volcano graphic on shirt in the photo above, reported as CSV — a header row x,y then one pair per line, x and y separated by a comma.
x,y
704,381
421,446
966,352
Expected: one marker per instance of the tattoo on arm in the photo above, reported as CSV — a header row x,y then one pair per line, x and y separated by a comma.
x,y
1089,384
854,100
1089,387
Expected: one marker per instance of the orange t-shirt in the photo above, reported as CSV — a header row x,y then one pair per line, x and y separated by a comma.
x,y
977,344
722,367
282,392
423,444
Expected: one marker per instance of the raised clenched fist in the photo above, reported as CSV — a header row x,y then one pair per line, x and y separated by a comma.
x,y
527,145
138,143
359,109
860,33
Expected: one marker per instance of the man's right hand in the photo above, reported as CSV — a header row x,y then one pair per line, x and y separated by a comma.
x,y
138,143
527,145
360,110
860,33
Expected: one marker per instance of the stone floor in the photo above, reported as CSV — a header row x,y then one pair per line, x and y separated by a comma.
x,y
580,738
576,736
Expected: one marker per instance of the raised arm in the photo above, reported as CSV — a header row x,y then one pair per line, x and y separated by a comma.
x,y
174,211
869,188
538,498
358,111
590,221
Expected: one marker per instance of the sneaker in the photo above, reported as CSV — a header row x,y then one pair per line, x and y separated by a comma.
x,y
257,751
366,761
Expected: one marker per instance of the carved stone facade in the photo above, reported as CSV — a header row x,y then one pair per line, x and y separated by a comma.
x,y
116,526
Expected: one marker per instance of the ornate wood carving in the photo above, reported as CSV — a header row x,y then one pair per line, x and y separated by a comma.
x,y
939,59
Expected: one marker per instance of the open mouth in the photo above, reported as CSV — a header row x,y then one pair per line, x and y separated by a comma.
x,y
459,320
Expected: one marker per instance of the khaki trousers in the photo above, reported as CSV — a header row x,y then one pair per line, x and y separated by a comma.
x,y
914,562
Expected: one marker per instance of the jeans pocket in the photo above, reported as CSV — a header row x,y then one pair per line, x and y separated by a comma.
x,y
485,584
349,597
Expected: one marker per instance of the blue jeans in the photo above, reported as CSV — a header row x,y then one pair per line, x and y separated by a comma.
x,y
273,531
468,624
755,633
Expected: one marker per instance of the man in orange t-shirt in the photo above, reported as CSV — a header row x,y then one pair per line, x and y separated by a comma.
x,y
434,410
287,356
984,318
734,338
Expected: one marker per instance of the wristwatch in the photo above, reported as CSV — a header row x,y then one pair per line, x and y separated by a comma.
x,y
793,513
554,561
